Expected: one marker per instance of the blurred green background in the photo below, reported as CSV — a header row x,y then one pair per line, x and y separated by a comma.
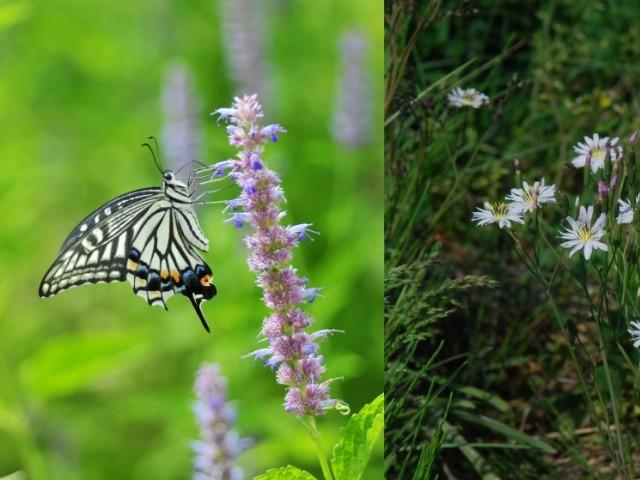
x,y
93,382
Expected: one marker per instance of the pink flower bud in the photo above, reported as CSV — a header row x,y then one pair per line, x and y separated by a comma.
x,y
603,190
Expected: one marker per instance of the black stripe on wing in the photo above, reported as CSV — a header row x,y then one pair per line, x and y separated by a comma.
x,y
107,210
96,250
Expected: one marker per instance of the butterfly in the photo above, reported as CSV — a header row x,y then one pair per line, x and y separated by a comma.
x,y
149,237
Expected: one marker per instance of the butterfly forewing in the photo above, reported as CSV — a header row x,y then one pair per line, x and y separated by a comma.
x,y
97,249
114,213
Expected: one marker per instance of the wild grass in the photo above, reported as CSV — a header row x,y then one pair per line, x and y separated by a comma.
x,y
481,377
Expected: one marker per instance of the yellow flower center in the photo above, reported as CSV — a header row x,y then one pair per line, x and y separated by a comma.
x,y
530,196
467,99
500,210
584,233
597,153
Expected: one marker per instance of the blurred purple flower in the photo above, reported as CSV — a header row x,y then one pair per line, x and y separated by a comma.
x,y
243,28
291,351
352,117
181,136
220,445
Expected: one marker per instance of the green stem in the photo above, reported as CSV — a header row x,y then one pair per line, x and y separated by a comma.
x,y
310,424
614,403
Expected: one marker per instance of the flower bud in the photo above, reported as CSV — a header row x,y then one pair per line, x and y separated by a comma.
x,y
603,190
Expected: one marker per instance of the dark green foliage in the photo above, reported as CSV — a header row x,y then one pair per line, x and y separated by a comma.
x,y
555,71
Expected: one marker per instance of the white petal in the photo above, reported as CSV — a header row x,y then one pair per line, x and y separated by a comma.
x,y
599,223
579,161
573,223
575,249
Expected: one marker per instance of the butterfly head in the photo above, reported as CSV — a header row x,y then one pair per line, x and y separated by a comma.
x,y
173,187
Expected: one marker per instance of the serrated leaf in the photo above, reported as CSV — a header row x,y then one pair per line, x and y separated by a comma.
x,y
286,473
351,453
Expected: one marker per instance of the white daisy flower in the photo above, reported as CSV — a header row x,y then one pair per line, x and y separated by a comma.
x,y
625,210
616,152
634,331
597,148
469,97
501,213
582,235
530,197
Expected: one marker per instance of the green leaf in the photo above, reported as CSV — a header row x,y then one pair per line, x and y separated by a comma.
x,y
490,398
285,473
506,430
353,449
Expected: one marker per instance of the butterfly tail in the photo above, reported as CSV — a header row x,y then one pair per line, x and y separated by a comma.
x,y
196,307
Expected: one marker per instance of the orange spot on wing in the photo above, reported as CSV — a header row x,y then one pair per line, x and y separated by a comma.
x,y
204,281
164,274
176,276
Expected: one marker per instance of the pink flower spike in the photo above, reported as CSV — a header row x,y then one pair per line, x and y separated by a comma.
x,y
292,351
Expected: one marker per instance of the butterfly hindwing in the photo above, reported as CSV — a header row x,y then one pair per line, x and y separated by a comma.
x,y
163,260
97,249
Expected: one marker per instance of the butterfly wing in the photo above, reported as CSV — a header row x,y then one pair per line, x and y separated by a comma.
x,y
97,249
164,258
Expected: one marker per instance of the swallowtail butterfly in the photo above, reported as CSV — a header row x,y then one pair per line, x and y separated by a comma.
x,y
149,237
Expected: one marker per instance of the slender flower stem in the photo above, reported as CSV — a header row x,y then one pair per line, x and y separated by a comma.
x,y
310,423
534,268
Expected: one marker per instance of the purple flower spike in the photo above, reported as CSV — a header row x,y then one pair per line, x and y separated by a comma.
x,y
353,115
216,453
292,351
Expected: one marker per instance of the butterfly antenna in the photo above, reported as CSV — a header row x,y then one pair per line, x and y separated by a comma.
x,y
155,142
196,307
153,154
